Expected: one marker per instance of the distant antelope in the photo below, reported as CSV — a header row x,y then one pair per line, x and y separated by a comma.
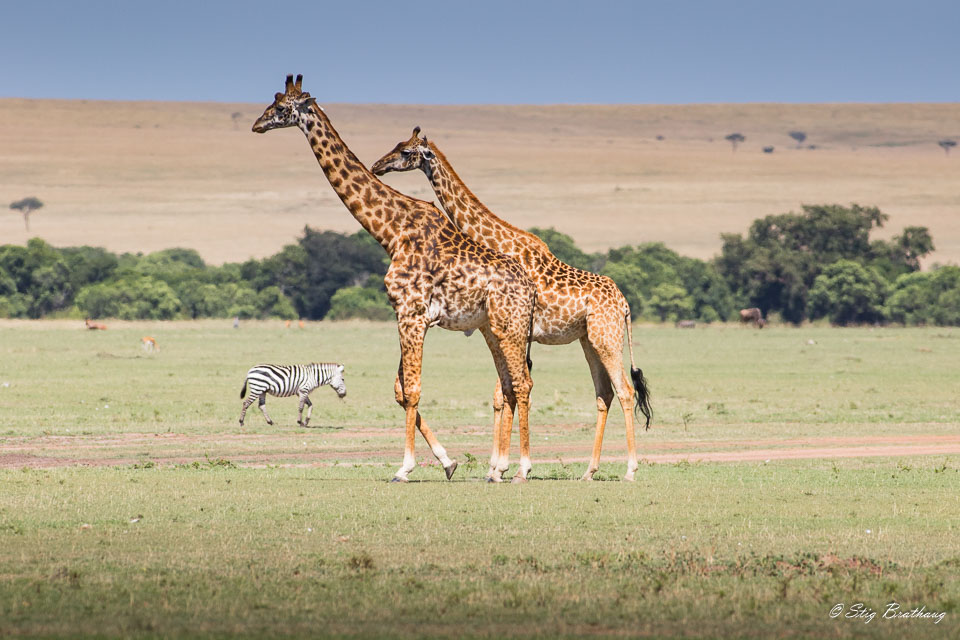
x,y
93,326
754,316
149,344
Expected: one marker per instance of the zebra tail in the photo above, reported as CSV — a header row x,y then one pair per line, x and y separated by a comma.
x,y
243,391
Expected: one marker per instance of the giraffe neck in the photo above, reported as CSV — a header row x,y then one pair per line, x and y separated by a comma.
x,y
473,217
360,191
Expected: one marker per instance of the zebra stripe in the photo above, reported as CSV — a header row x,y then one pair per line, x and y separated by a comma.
x,y
288,380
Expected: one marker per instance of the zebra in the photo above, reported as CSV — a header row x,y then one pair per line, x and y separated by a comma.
x,y
287,380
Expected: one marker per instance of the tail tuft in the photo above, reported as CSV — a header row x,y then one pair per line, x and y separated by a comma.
x,y
643,395
243,391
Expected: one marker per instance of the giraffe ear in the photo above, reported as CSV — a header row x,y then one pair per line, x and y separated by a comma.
x,y
416,131
306,104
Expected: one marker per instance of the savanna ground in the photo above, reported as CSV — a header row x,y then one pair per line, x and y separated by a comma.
x,y
147,176
788,471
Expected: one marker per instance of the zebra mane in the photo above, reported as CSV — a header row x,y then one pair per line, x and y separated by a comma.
x,y
324,370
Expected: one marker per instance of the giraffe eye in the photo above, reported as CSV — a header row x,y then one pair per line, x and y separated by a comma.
x,y
405,153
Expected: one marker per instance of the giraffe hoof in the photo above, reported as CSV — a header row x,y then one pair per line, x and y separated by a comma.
x,y
587,477
518,479
628,477
398,479
449,470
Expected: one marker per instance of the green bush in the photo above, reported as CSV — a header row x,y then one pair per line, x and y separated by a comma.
x,y
931,297
670,302
848,293
360,302
136,298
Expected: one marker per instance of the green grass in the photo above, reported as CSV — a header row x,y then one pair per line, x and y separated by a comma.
x,y
209,546
721,381
736,549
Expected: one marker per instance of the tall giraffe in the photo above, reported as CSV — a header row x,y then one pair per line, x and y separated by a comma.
x,y
437,276
572,304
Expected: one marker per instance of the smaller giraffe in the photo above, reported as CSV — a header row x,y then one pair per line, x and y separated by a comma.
x,y
572,304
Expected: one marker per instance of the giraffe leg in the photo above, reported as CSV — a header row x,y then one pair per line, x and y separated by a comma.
x,y
522,385
511,336
263,407
503,426
407,390
604,391
608,343
497,416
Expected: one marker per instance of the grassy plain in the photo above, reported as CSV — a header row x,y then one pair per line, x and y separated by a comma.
x,y
132,505
148,176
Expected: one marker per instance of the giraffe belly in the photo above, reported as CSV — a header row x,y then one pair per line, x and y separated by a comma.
x,y
552,330
465,321
456,312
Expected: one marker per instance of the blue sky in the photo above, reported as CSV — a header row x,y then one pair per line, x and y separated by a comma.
x,y
485,51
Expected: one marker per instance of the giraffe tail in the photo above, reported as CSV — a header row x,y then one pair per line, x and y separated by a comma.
x,y
641,388
533,308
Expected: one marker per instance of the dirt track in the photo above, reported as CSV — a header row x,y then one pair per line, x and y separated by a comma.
x,y
296,449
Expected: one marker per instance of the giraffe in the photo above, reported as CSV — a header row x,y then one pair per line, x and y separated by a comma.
x,y
437,276
572,304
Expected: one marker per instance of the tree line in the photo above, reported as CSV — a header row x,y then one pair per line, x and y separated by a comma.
x,y
819,263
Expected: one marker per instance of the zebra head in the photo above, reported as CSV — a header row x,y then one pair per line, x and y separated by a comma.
x,y
336,381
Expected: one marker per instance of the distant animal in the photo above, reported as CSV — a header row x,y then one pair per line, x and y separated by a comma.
x,y
754,316
287,324
300,324
284,381
93,326
149,344
236,322
768,149
685,324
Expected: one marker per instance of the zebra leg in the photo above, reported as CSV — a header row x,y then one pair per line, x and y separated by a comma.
x,y
303,399
263,407
309,410
243,411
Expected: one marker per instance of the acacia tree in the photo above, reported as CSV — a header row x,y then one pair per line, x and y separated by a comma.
x,y
799,136
947,145
26,206
734,139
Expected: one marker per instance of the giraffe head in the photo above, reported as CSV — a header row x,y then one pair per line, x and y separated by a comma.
x,y
411,154
286,109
